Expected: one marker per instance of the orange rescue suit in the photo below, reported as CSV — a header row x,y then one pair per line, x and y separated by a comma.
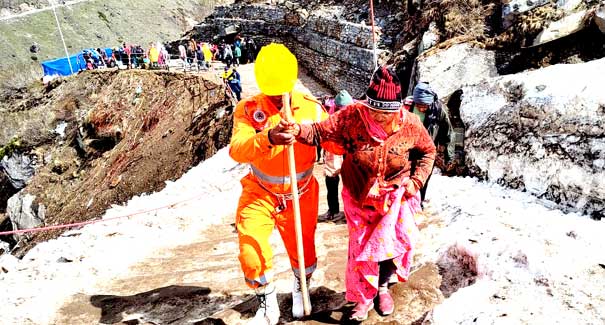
x,y
266,201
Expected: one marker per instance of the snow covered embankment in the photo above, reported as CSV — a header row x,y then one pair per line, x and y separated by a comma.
x,y
38,285
535,265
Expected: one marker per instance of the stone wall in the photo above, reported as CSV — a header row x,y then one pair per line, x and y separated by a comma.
x,y
335,51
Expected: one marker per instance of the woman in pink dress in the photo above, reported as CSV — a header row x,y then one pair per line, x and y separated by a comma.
x,y
388,157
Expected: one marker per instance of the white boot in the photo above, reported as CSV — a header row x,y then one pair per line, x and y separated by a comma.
x,y
268,311
298,310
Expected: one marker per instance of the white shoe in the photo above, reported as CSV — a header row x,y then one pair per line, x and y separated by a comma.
x,y
268,311
298,310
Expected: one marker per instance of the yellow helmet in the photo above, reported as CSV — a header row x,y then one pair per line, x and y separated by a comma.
x,y
276,69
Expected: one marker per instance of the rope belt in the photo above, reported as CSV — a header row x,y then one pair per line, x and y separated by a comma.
x,y
283,180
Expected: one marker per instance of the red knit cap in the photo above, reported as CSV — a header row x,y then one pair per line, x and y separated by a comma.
x,y
384,92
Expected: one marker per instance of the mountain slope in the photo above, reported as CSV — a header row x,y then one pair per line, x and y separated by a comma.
x,y
96,24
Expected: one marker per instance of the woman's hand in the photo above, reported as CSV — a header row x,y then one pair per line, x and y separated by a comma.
x,y
411,188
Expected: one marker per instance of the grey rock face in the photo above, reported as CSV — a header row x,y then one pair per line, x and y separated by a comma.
x,y
25,213
336,51
19,168
569,5
512,8
451,69
561,28
600,18
4,248
541,131
429,39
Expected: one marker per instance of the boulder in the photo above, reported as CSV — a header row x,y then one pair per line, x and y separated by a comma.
x,y
512,8
599,18
6,191
19,168
429,39
25,7
24,212
541,131
451,69
4,248
5,12
564,27
569,5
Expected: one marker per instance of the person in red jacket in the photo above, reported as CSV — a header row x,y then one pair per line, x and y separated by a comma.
x,y
380,188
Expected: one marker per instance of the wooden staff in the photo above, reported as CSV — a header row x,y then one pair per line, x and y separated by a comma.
x,y
296,204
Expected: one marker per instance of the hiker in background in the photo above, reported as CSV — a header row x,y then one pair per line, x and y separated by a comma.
x,y
200,56
251,50
90,65
138,54
165,57
207,52
220,52
380,189
228,55
237,54
233,80
434,115
216,53
153,54
183,54
244,49
333,162
191,50
128,51
102,57
266,201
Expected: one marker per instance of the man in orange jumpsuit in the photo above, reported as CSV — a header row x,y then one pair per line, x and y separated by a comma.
x,y
266,200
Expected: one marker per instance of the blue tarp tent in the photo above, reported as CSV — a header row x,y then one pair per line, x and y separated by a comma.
x,y
61,66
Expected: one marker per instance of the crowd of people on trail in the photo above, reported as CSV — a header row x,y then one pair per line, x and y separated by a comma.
x,y
193,53
129,56
383,146
201,53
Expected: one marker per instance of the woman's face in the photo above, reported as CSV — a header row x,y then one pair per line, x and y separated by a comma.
x,y
422,107
383,118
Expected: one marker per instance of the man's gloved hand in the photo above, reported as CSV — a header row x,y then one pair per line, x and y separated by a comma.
x,y
284,133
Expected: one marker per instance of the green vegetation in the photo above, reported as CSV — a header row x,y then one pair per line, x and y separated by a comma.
x,y
9,148
103,17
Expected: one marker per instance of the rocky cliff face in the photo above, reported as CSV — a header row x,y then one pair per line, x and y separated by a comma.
x,y
535,131
334,50
105,136
541,132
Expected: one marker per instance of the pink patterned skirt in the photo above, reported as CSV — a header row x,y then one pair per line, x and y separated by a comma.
x,y
382,228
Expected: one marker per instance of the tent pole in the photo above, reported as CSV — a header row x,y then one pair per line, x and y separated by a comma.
x,y
52,4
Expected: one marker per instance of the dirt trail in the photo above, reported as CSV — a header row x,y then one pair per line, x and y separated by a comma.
x,y
201,283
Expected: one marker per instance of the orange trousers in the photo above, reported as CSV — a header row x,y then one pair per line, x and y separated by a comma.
x,y
257,215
